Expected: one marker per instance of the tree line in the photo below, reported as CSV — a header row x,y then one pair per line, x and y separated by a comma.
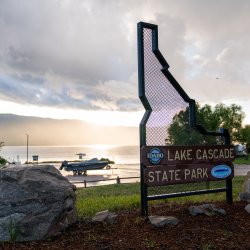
x,y
221,116
2,160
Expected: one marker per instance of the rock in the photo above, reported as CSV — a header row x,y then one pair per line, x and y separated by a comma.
x,y
36,201
245,195
247,208
104,217
9,228
207,209
160,221
246,185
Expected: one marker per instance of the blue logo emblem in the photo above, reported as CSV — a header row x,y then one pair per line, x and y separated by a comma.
x,y
155,155
221,171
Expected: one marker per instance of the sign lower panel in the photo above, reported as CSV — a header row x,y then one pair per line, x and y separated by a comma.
x,y
159,175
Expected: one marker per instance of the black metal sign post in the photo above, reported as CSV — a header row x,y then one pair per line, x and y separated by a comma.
x,y
163,99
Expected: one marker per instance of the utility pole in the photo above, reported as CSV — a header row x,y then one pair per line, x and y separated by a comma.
x,y
27,137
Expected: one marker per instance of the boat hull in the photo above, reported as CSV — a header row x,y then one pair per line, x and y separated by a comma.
x,y
84,166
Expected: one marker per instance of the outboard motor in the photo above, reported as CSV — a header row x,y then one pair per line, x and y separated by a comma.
x,y
64,164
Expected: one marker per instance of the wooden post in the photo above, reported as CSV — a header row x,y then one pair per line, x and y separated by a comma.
x,y
118,181
85,183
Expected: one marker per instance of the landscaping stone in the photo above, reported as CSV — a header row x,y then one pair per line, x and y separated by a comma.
x,y
245,195
207,209
246,185
160,221
35,202
105,217
247,208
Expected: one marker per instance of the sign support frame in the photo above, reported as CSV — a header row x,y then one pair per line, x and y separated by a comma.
x,y
148,110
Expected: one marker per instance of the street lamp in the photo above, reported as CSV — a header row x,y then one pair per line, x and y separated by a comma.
x,y
27,137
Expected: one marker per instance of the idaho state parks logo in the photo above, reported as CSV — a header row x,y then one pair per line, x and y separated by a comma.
x,y
155,155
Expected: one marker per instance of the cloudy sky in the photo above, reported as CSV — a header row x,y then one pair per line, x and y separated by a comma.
x,y
78,58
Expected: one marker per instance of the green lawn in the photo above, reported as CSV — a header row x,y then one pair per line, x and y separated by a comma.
x,y
112,197
126,196
242,160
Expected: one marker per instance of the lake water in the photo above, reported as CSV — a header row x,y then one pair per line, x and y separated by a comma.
x,y
119,154
126,159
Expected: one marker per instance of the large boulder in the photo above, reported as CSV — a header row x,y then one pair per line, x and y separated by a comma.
x,y
35,202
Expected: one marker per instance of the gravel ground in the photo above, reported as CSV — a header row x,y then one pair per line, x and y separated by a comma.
x,y
131,231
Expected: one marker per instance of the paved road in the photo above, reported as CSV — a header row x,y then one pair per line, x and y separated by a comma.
x,y
241,169
105,177
123,173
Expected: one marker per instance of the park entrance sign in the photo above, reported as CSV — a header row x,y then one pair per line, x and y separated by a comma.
x,y
182,164
169,168
186,154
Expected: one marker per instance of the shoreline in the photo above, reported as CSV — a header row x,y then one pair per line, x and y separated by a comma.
x,y
118,173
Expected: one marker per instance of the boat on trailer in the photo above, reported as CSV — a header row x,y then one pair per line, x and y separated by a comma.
x,y
83,166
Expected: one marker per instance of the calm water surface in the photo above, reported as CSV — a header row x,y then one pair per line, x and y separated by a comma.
x,y
120,154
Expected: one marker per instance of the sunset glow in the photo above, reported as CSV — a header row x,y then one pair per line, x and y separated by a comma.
x,y
77,61
99,117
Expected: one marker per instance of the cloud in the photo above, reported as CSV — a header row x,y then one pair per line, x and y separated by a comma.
x,y
82,54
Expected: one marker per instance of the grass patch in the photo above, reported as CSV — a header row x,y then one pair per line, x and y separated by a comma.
x,y
237,188
112,197
127,196
242,160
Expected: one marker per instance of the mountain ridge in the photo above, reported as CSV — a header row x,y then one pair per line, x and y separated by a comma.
x,y
53,132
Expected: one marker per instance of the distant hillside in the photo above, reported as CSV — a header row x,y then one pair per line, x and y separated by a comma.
x,y
44,131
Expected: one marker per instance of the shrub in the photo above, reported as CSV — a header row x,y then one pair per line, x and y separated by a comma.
x,y
2,161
